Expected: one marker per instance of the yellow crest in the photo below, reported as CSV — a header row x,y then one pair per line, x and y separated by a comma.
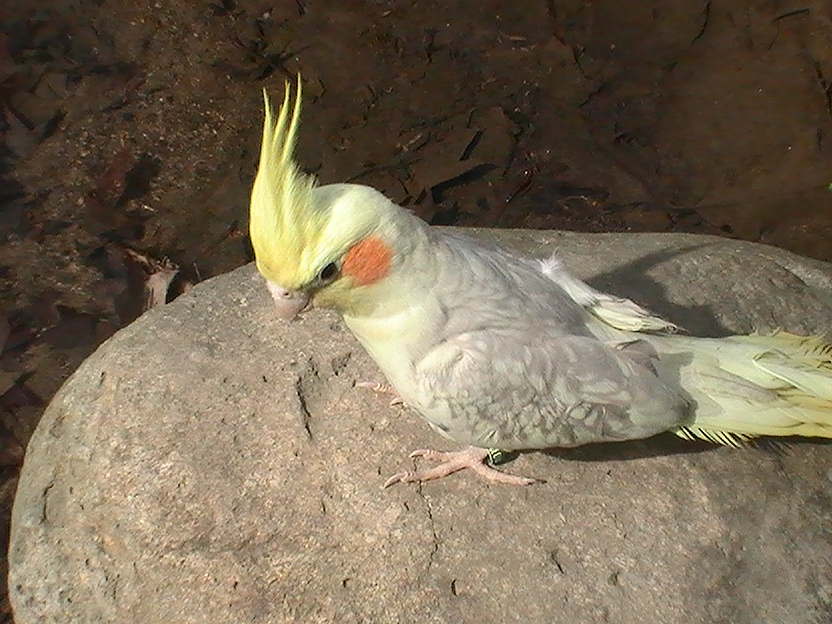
x,y
283,218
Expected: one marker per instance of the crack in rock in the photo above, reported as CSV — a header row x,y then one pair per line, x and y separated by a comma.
x,y
45,498
432,522
303,410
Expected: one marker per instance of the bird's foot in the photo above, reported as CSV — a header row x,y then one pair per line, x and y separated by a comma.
x,y
381,388
477,459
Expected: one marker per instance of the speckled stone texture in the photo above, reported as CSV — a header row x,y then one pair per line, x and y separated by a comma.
x,y
211,463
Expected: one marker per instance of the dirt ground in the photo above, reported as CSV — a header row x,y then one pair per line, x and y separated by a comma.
x,y
129,136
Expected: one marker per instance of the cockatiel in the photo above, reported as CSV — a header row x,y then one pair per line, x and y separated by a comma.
x,y
502,353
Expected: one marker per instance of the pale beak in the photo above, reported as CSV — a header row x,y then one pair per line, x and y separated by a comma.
x,y
289,303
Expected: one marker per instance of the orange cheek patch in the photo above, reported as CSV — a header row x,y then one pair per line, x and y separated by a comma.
x,y
367,261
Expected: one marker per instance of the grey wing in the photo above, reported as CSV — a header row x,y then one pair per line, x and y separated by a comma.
x,y
512,391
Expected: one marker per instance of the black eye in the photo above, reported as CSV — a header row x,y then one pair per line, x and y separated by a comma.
x,y
328,272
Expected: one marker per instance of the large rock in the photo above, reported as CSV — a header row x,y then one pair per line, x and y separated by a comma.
x,y
211,463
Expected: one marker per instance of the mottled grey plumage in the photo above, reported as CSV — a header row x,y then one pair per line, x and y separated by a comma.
x,y
491,378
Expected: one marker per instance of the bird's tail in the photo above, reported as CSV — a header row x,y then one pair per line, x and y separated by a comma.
x,y
750,386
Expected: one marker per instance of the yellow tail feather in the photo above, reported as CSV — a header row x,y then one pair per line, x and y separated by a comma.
x,y
752,386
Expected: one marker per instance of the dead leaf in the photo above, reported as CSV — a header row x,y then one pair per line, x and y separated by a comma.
x,y
158,276
110,185
498,136
446,163
156,288
11,451
5,330
8,380
18,396
20,139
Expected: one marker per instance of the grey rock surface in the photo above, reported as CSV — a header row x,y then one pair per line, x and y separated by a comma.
x,y
211,463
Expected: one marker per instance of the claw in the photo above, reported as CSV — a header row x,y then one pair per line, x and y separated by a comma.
x,y
374,386
382,388
399,477
451,462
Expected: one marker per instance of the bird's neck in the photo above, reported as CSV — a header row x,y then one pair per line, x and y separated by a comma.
x,y
395,318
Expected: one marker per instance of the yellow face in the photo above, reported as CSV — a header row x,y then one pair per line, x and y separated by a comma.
x,y
310,241
339,284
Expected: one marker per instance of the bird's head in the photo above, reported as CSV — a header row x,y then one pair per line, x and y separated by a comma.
x,y
329,244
